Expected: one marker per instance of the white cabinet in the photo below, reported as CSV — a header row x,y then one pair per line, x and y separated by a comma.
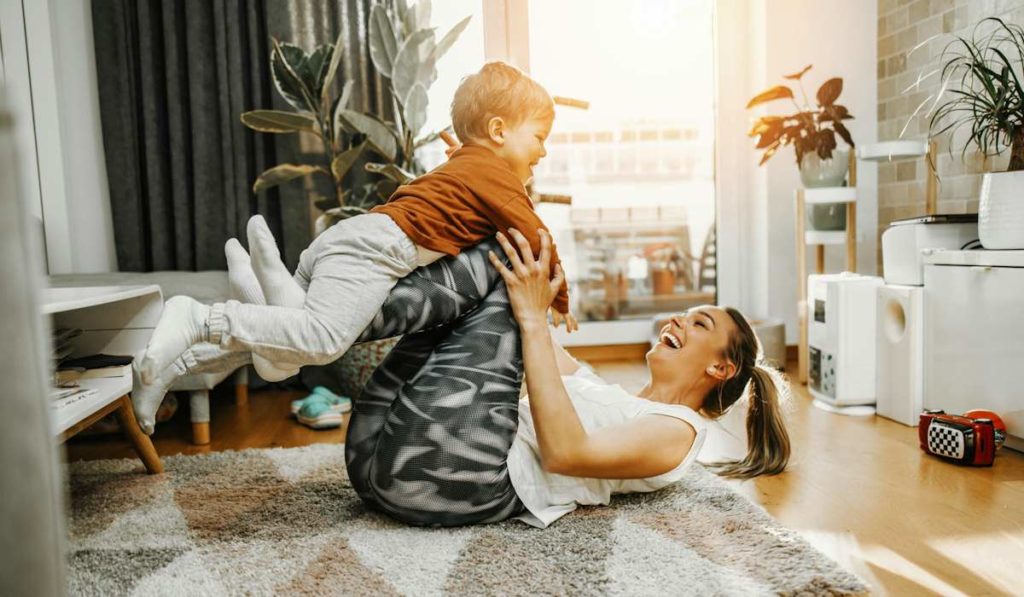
x,y
974,334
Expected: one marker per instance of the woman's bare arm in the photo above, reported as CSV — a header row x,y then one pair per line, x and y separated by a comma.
x,y
567,365
644,447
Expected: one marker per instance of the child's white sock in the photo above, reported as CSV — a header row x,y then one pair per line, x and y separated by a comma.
x,y
279,288
146,397
182,324
245,287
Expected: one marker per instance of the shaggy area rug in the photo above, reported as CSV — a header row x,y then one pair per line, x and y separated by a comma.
x,y
286,521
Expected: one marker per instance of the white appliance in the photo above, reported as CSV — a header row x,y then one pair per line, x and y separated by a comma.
x,y
974,334
899,334
903,241
841,338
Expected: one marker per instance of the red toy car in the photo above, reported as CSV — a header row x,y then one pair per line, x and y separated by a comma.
x,y
971,438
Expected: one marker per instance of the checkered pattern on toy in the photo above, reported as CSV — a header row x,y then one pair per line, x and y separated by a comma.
x,y
945,441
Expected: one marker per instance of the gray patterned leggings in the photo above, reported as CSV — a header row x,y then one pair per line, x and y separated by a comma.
x,y
430,434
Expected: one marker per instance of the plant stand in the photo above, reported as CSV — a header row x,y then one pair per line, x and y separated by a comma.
x,y
819,239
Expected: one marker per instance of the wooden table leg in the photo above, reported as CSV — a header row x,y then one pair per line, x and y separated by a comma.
x,y
201,433
241,394
143,445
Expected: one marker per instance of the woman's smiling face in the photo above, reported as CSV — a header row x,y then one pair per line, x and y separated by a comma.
x,y
691,342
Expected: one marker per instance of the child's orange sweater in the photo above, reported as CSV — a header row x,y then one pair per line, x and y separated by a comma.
x,y
464,201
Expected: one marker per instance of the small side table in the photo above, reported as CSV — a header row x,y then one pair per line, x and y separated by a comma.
x,y
113,320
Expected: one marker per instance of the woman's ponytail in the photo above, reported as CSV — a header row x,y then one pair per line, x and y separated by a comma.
x,y
768,444
767,438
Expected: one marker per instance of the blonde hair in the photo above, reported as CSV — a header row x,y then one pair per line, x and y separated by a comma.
x,y
768,443
501,90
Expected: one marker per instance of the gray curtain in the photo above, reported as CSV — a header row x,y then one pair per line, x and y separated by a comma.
x,y
174,77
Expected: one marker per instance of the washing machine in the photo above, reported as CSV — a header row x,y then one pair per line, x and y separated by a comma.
x,y
899,383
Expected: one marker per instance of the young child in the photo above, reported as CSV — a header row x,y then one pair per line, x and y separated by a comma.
x,y
502,118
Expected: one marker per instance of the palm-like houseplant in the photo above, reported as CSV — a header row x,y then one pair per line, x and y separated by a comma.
x,y
403,48
981,89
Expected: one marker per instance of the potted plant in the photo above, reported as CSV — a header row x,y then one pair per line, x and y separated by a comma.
x,y
306,82
812,133
403,48
989,100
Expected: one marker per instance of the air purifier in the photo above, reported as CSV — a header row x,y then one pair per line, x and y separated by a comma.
x,y
841,338
899,334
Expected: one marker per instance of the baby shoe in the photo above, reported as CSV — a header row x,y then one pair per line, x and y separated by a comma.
x,y
340,404
317,412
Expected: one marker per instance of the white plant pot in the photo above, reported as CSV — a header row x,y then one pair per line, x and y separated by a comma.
x,y
816,172
1001,211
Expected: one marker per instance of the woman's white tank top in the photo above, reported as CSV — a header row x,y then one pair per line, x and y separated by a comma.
x,y
549,496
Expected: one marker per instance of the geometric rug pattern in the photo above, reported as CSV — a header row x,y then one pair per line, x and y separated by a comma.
x,y
286,521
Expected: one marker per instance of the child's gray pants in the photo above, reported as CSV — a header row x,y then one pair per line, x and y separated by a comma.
x,y
347,272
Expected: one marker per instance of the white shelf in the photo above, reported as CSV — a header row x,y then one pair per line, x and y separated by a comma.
x,y
108,390
825,237
57,300
891,151
818,195
115,320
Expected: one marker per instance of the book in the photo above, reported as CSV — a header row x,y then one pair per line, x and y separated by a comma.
x,y
107,372
63,397
97,361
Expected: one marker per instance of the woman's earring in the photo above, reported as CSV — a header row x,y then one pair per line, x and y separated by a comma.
x,y
711,370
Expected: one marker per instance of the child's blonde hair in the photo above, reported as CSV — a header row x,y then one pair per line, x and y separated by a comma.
x,y
502,90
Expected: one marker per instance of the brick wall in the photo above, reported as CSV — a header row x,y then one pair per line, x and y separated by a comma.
x,y
902,25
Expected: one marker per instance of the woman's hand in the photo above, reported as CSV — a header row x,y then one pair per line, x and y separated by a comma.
x,y
530,289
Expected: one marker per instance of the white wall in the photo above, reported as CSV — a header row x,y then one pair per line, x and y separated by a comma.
x,y
51,73
19,97
85,171
759,41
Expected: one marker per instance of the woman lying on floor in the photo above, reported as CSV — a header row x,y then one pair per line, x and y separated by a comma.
x,y
440,437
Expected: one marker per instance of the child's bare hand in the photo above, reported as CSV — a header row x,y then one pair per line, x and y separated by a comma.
x,y
453,144
571,325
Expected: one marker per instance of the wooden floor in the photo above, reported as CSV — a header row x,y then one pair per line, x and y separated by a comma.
x,y
859,489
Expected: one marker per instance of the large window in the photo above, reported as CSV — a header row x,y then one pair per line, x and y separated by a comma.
x,y
638,237
639,163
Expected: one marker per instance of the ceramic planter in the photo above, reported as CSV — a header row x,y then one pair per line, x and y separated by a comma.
x,y
1001,211
816,172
